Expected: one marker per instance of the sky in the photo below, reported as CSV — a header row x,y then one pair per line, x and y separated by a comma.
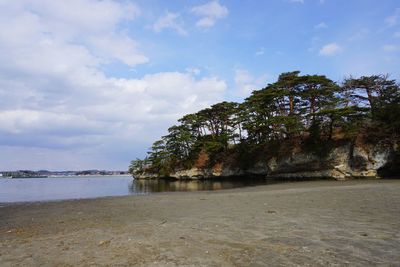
x,y
88,84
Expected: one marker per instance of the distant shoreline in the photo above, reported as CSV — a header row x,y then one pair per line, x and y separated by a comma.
x,y
70,176
50,174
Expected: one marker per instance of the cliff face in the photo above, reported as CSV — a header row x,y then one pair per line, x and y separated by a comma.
x,y
345,161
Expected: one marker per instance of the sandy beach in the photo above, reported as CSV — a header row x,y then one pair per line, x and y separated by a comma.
x,y
324,223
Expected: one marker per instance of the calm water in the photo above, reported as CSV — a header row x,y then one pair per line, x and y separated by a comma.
x,y
42,189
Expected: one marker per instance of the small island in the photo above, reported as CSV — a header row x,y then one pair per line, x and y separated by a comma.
x,y
299,127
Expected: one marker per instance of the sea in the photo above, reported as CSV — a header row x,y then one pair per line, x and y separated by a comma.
x,y
82,187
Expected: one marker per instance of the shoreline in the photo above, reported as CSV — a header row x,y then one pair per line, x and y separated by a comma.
x,y
275,185
254,181
271,182
314,223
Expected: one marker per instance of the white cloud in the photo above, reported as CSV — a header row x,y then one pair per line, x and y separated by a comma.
x,y
243,76
297,1
79,15
56,27
54,94
19,121
194,71
391,48
393,20
321,25
330,49
206,22
209,13
359,35
119,47
246,83
170,21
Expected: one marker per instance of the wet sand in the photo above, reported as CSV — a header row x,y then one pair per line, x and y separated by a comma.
x,y
353,223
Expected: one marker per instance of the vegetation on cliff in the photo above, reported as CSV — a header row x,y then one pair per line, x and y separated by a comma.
x,y
309,111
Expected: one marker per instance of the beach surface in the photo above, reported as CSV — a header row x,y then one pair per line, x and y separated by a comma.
x,y
318,223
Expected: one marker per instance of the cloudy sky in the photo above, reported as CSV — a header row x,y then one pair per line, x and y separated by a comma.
x,y
91,84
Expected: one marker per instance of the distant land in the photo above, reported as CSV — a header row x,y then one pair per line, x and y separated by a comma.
x,y
46,173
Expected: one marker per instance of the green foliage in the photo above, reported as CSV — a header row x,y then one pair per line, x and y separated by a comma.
x,y
137,166
311,108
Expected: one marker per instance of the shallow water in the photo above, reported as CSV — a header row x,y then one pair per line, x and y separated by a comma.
x,y
43,189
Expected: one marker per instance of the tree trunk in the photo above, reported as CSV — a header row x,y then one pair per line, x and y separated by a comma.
x,y
331,127
312,109
291,103
370,100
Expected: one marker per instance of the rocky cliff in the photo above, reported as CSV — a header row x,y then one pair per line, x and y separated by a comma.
x,y
344,161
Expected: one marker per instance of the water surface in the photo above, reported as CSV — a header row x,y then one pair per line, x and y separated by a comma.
x,y
44,189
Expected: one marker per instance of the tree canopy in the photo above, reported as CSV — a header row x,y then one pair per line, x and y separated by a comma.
x,y
309,108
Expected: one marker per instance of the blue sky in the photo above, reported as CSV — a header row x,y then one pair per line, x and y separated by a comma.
x,y
91,84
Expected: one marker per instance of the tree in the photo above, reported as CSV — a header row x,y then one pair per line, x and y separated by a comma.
x,y
179,141
158,158
195,123
387,108
296,109
260,107
317,93
137,166
367,91
289,83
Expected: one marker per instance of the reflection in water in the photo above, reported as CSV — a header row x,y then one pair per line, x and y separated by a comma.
x,y
152,186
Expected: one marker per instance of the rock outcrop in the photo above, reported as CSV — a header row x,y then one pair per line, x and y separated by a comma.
x,y
345,161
